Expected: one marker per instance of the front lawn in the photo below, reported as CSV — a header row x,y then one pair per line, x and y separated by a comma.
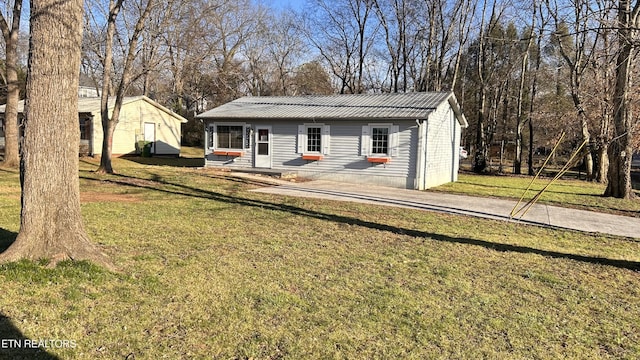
x,y
210,270
569,193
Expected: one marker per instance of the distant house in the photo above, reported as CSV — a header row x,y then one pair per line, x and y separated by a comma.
x,y
141,119
88,91
402,140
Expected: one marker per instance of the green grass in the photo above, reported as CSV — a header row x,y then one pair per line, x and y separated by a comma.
x,y
210,270
568,193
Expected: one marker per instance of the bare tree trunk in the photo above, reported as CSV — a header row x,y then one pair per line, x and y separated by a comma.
x,y
467,8
480,157
109,123
481,153
603,162
620,150
534,93
584,128
108,127
603,139
577,46
517,161
50,222
11,136
362,26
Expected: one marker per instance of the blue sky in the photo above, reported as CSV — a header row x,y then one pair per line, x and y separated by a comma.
x,y
285,4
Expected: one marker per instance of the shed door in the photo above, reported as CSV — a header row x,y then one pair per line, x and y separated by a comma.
x,y
150,135
263,147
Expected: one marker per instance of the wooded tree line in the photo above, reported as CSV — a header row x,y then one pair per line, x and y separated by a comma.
x,y
522,71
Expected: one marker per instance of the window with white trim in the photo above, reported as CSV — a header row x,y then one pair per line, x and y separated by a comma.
x,y
229,136
379,140
313,139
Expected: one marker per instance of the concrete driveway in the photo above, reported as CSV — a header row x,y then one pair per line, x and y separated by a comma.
x,y
497,209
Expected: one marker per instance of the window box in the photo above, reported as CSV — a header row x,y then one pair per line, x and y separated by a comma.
x,y
315,157
228,153
378,160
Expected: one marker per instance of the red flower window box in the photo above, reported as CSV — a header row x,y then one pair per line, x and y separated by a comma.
x,y
312,157
378,160
228,153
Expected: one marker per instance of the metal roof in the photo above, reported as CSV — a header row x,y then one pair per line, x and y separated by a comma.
x,y
362,106
92,105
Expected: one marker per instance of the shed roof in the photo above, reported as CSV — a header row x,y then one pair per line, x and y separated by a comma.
x,y
363,106
92,104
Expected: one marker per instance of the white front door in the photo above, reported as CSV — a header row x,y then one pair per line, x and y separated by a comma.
x,y
150,135
263,147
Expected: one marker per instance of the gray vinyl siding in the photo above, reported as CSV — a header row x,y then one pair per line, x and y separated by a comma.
x,y
442,147
343,162
423,142
210,159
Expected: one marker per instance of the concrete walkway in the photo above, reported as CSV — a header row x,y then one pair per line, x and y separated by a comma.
x,y
497,209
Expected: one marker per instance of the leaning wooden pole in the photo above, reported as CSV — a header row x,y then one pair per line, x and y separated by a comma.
x,y
513,211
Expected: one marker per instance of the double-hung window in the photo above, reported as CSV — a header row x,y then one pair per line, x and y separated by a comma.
x,y
313,139
379,140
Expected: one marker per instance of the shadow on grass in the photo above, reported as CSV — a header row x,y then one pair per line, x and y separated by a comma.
x,y
14,345
236,179
179,162
166,161
6,239
10,171
179,189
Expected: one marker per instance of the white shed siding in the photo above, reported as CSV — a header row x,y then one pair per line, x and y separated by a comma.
x,y
124,137
130,129
168,129
441,148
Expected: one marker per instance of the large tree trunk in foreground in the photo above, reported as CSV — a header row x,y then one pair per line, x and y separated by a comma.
x,y
620,149
10,34
50,222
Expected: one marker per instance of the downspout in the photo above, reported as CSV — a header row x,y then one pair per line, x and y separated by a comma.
x,y
426,153
421,161
455,162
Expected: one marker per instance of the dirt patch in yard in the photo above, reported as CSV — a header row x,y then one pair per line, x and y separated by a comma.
x,y
89,197
7,189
